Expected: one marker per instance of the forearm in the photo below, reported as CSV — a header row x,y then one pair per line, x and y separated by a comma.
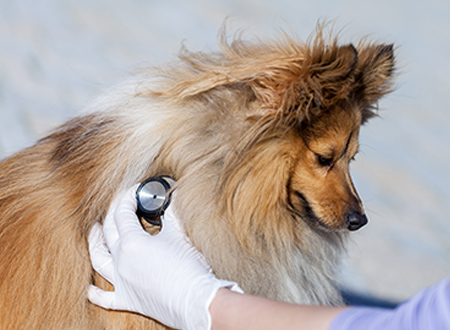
x,y
231,310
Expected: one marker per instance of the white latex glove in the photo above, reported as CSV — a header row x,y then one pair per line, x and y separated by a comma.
x,y
162,276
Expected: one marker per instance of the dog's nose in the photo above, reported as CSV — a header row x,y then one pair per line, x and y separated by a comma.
x,y
355,220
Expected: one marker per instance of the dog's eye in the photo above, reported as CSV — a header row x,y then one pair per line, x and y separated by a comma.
x,y
325,161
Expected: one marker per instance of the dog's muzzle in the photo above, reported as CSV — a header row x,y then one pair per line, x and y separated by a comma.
x,y
355,220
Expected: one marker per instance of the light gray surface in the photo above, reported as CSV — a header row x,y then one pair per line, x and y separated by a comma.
x,y
56,55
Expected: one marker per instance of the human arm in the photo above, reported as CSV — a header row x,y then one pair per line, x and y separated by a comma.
x,y
427,310
234,311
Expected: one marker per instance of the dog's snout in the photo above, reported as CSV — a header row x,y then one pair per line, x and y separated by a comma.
x,y
355,220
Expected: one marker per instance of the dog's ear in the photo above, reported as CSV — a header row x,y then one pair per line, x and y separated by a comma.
x,y
302,80
324,77
375,75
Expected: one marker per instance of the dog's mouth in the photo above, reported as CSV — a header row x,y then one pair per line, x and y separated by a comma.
x,y
352,220
306,212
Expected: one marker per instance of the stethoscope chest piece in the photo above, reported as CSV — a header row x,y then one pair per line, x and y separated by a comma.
x,y
153,198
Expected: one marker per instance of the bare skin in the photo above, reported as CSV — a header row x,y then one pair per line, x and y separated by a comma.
x,y
231,310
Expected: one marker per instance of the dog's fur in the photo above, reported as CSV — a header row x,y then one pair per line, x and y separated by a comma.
x,y
259,137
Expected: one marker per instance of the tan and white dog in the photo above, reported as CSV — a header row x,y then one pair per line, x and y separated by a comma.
x,y
259,137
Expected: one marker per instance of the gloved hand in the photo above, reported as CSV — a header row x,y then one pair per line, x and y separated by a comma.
x,y
162,276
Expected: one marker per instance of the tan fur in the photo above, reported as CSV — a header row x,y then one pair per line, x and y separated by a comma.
x,y
242,131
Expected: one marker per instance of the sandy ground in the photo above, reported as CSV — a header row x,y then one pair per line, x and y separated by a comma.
x,y
56,55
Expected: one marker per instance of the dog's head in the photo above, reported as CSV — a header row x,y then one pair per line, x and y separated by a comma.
x,y
350,81
290,115
320,187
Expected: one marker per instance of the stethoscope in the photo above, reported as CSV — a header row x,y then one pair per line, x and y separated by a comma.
x,y
153,198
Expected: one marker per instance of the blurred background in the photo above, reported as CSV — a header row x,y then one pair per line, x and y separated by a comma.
x,y
57,55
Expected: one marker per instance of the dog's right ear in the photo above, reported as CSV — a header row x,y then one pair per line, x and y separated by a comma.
x,y
374,78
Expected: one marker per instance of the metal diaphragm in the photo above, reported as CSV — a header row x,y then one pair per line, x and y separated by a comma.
x,y
153,198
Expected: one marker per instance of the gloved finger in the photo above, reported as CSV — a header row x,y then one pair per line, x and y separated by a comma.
x,y
101,259
170,222
101,298
126,220
109,225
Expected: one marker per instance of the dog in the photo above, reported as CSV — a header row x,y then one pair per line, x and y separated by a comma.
x,y
258,136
